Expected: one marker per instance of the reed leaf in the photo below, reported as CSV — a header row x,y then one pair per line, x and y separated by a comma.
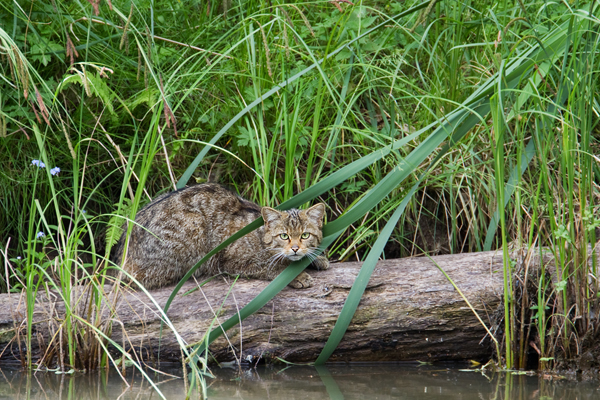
x,y
362,279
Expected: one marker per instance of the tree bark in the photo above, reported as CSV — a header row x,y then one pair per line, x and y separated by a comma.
x,y
409,311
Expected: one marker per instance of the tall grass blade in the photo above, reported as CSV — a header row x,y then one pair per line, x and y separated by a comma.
x,y
362,279
509,189
508,295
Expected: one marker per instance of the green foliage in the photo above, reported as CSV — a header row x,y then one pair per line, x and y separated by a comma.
x,y
114,227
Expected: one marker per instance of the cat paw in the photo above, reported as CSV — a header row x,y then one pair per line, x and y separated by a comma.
x,y
320,263
302,281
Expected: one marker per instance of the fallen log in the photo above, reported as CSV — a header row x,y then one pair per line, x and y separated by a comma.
x,y
409,311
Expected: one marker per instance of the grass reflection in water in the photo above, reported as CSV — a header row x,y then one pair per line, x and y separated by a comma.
x,y
377,381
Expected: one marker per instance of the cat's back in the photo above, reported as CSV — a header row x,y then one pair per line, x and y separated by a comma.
x,y
207,203
186,223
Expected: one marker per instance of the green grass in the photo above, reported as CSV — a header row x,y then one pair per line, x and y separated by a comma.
x,y
477,121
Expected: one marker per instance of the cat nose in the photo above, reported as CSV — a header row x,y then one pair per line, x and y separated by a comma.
x,y
295,248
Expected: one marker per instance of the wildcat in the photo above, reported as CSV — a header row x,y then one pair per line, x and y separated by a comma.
x,y
173,232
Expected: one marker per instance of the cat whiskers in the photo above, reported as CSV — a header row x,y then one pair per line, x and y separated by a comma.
x,y
313,253
274,260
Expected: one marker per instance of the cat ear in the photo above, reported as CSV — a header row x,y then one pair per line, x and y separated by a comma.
x,y
316,212
270,214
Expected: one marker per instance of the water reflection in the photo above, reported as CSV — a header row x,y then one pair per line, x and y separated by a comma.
x,y
373,381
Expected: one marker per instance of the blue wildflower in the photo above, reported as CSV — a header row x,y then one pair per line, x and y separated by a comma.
x,y
55,171
38,163
18,257
40,234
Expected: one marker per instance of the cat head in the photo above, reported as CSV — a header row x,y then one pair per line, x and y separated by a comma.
x,y
294,234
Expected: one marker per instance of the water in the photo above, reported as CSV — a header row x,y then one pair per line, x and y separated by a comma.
x,y
370,381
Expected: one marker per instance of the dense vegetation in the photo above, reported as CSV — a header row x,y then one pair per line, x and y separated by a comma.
x,y
434,127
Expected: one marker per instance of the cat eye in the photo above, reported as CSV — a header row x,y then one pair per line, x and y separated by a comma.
x,y
284,236
305,235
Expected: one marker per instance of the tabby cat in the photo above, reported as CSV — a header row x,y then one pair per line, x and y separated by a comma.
x,y
177,229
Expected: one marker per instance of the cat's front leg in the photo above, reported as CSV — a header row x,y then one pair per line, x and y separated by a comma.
x,y
302,281
320,263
